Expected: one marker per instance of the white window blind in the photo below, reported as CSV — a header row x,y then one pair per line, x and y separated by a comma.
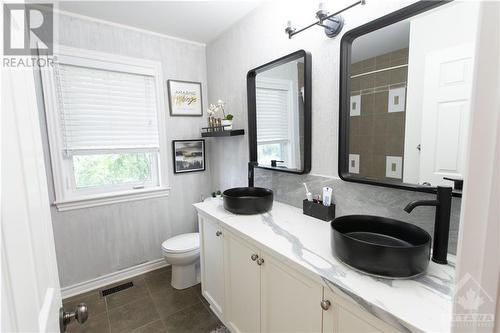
x,y
106,110
272,114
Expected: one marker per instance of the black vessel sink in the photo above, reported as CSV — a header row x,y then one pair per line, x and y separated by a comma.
x,y
248,200
381,246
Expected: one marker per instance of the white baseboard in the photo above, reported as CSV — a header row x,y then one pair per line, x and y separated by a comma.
x,y
107,279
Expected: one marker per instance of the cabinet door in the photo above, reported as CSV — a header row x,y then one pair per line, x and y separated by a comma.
x,y
212,264
290,302
344,316
243,286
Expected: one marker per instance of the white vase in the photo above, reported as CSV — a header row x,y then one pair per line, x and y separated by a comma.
x,y
228,124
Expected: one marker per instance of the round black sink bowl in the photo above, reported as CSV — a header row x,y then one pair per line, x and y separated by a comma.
x,y
381,246
248,200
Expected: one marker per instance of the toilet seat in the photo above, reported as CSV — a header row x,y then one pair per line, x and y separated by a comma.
x,y
182,243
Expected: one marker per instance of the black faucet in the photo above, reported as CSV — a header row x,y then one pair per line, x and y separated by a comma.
x,y
251,167
441,224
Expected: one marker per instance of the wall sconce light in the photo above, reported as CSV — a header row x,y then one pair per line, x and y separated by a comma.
x,y
332,23
289,28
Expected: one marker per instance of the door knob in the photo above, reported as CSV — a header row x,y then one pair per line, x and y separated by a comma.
x,y
260,261
325,304
254,257
218,233
81,314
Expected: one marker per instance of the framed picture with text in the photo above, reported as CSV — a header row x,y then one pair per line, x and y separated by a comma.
x,y
184,98
189,155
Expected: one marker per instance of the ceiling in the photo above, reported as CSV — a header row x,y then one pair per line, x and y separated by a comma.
x,y
200,21
391,38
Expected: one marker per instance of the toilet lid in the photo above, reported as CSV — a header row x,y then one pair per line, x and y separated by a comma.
x,y
182,243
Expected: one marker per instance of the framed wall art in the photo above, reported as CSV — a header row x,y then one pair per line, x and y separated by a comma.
x,y
185,98
189,155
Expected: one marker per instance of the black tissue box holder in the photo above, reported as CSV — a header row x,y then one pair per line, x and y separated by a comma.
x,y
317,210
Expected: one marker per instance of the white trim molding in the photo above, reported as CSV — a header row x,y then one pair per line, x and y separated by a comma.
x,y
104,280
479,232
108,199
66,196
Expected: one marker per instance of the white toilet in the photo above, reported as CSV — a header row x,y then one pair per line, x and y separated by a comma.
x,y
183,253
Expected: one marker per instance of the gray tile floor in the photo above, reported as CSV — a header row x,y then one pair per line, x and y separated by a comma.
x,y
152,305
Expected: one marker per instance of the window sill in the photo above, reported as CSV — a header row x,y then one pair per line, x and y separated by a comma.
x,y
112,198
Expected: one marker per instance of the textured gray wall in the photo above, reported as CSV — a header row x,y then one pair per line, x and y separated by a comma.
x,y
96,241
260,38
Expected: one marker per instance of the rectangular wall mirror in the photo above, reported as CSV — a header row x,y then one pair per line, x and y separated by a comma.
x,y
279,114
406,83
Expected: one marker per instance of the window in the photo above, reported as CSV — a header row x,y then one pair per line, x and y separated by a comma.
x,y
96,170
105,118
273,119
271,151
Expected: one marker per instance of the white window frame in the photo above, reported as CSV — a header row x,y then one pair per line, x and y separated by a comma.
x,y
66,195
288,144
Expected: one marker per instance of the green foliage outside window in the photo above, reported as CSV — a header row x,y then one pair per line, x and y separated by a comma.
x,y
268,152
110,169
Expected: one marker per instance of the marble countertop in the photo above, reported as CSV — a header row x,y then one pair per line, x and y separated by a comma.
x,y
422,304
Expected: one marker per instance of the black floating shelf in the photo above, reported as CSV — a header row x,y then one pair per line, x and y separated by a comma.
x,y
223,133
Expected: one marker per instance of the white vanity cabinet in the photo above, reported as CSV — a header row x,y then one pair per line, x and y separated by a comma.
x,y
290,302
254,291
264,295
341,315
212,263
242,285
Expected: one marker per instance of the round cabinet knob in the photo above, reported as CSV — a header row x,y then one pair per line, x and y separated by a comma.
x,y
260,261
254,257
325,304
218,233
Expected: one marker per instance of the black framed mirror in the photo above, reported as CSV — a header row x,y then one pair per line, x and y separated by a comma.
x,y
279,114
405,87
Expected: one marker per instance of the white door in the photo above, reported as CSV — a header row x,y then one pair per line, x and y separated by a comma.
x,y
30,284
212,264
446,113
290,302
243,286
433,35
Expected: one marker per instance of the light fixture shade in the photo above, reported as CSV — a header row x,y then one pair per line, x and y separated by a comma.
x,y
333,25
322,11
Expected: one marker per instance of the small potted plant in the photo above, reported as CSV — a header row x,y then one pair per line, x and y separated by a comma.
x,y
227,122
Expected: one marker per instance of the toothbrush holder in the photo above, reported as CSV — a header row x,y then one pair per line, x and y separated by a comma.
x,y
317,210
